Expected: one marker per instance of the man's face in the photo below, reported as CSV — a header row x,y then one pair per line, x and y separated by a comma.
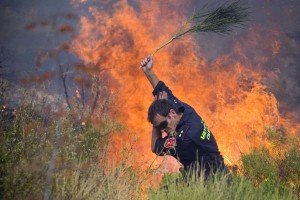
x,y
167,123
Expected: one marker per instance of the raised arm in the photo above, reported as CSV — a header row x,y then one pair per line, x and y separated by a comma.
x,y
146,66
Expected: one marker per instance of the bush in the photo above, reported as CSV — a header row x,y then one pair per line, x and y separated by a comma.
x,y
278,167
43,155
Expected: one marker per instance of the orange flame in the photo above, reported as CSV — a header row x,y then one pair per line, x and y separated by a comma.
x,y
228,93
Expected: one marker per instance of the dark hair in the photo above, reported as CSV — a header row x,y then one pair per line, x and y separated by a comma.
x,y
162,107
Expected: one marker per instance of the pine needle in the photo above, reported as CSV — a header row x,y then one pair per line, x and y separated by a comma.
x,y
220,20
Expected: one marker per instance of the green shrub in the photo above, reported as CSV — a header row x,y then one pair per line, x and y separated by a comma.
x,y
278,167
25,150
58,158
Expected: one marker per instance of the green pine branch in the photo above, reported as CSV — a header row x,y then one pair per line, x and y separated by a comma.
x,y
220,20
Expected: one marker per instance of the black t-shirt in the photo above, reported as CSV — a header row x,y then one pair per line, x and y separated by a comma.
x,y
192,140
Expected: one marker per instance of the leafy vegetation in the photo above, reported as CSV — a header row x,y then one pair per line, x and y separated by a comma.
x,y
45,154
51,155
275,167
219,20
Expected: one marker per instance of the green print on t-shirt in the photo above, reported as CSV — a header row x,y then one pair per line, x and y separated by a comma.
x,y
206,132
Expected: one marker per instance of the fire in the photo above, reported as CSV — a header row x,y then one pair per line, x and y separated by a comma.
x,y
229,93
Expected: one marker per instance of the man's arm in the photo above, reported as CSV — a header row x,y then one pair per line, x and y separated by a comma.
x,y
161,91
156,134
146,66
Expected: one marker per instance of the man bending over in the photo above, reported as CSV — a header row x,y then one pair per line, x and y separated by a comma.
x,y
188,138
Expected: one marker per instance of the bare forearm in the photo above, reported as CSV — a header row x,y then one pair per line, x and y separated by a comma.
x,y
156,134
153,79
146,66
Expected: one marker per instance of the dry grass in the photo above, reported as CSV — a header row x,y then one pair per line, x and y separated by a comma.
x,y
95,182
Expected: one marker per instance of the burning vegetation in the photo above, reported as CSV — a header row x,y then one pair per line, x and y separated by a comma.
x,y
229,92
100,135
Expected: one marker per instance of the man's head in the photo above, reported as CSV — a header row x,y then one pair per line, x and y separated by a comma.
x,y
163,114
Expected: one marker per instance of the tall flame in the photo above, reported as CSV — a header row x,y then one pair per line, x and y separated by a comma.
x,y
229,93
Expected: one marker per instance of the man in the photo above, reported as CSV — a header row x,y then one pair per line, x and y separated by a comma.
x,y
188,138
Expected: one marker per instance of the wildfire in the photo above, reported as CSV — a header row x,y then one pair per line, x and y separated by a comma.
x,y
229,93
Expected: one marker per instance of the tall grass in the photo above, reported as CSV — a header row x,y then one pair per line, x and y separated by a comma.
x,y
217,187
87,181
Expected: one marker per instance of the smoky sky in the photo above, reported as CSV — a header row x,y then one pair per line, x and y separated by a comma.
x,y
19,46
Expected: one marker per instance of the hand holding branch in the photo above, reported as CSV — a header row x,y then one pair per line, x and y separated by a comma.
x,y
219,20
147,63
